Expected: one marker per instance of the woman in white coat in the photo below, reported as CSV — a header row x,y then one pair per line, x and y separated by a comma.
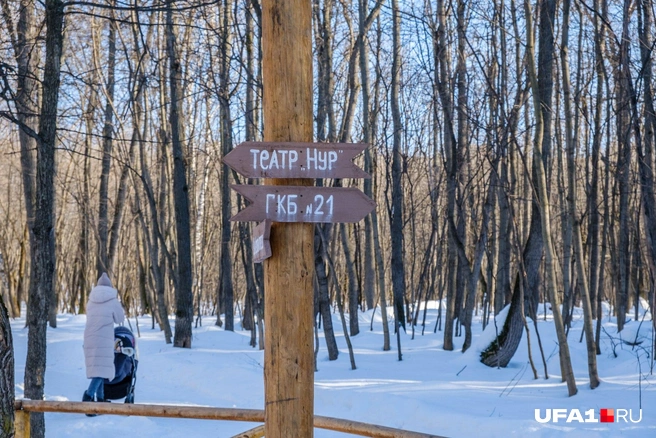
x,y
103,310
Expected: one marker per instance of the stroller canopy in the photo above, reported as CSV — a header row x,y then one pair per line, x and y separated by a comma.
x,y
124,354
123,337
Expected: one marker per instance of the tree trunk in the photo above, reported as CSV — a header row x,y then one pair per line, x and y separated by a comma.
x,y
325,116
184,312
83,244
624,167
353,290
593,197
503,348
322,292
396,215
43,262
28,109
226,292
251,129
441,79
599,32
102,262
378,252
154,237
533,252
503,288
369,289
464,202
199,242
7,376
479,252
574,221
646,154
538,166
119,204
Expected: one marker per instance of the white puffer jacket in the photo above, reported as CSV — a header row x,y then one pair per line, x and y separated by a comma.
x,y
103,310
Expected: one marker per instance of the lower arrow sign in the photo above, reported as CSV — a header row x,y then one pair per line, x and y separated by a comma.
x,y
261,244
303,204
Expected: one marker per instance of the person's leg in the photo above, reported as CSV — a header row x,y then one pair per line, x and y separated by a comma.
x,y
100,392
96,388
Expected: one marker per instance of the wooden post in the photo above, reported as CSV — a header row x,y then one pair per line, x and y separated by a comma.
x,y
22,424
288,274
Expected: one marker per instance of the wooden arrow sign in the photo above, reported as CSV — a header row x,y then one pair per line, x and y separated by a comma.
x,y
303,204
261,244
296,160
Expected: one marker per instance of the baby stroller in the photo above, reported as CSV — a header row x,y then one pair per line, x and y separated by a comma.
x,y
125,365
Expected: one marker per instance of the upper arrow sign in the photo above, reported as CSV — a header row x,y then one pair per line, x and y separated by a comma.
x,y
296,160
303,204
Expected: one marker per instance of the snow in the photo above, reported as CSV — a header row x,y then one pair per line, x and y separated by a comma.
x,y
430,390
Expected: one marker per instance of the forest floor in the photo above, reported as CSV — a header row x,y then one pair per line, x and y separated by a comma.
x,y
430,390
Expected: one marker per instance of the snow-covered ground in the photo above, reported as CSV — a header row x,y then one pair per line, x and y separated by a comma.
x,y
430,390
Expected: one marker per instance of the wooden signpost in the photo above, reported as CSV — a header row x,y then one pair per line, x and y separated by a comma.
x,y
288,274
289,204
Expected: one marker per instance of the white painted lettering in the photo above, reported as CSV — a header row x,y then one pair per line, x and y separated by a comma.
x,y
281,204
332,159
311,158
293,158
255,152
292,207
329,204
264,157
272,197
274,160
323,160
283,158
319,200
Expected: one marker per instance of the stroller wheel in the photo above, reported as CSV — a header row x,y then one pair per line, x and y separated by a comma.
x,y
129,398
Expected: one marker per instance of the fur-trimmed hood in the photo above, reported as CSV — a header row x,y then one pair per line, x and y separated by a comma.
x,y
102,294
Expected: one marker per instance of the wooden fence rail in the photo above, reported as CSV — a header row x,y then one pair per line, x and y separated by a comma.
x,y
24,407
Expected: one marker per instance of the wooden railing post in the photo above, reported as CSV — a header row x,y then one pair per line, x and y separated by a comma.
x,y
22,424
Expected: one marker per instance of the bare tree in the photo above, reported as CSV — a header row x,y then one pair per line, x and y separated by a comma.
x,y
623,79
646,146
44,260
449,145
184,312
102,262
396,213
538,166
323,13
23,38
371,221
574,219
226,293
